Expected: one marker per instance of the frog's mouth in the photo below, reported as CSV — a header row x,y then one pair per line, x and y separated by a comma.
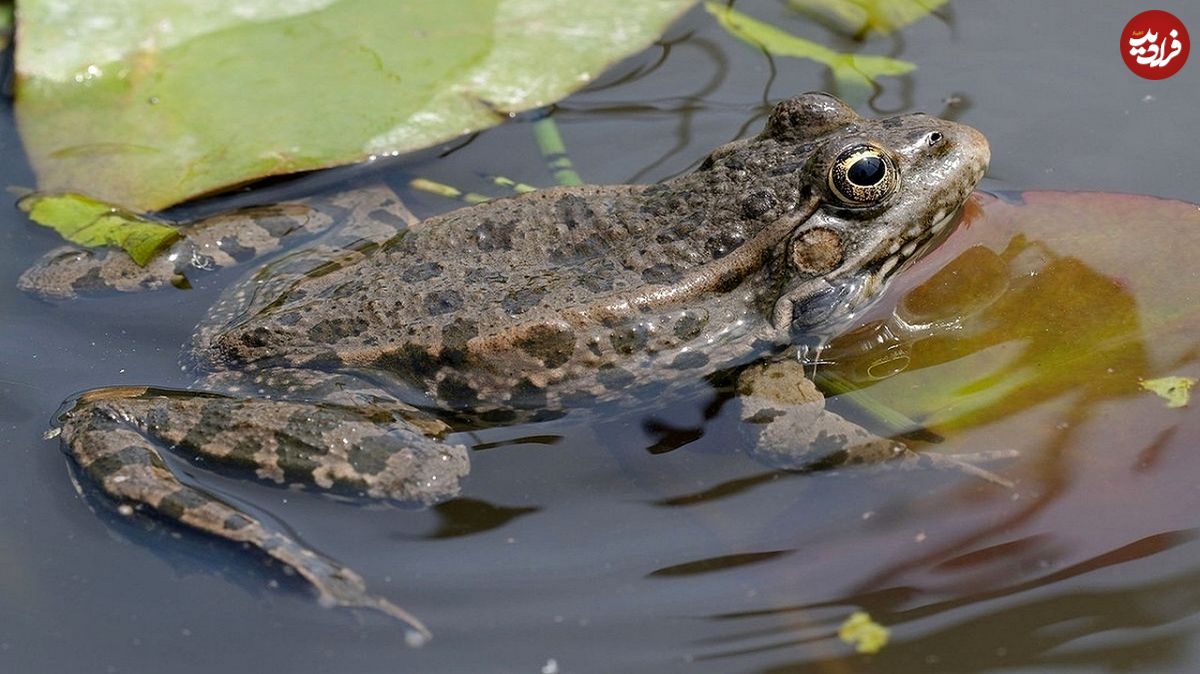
x,y
829,311
910,246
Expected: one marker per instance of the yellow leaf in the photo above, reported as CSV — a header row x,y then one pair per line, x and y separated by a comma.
x,y
866,635
1175,390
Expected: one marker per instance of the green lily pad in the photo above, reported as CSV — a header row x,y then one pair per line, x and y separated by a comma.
x,y
146,103
858,18
853,74
92,223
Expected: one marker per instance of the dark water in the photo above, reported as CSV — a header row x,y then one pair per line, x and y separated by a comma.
x,y
572,543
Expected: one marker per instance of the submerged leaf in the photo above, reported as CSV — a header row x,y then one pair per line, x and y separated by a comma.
x,y
866,635
857,18
92,223
145,103
852,72
1039,297
1177,391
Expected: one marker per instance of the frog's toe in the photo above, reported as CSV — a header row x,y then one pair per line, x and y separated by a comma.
x,y
338,586
968,464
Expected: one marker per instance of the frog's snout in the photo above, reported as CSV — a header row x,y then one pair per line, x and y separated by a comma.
x,y
975,145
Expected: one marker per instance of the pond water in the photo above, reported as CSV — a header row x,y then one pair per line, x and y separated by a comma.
x,y
573,548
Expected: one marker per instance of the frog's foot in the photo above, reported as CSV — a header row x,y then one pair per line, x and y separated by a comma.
x,y
116,436
903,457
961,463
786,414
222,240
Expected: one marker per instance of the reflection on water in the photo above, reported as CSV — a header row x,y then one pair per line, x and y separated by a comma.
x,y
467,517
722,490
721,563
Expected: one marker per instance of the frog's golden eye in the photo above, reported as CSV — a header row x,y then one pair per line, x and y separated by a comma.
x,y
863,175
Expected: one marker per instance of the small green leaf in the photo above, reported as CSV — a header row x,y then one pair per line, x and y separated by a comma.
x,y
1177,391
866,635
851,72
92,223
857,18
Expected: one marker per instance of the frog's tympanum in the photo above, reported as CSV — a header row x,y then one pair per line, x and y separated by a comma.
x,y
339,367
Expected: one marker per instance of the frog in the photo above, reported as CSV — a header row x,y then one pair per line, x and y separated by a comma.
x,y
347,365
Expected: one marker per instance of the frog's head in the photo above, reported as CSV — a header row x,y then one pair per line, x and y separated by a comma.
x,y
870,194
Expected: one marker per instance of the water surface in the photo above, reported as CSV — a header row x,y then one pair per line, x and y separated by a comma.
x,y
574,544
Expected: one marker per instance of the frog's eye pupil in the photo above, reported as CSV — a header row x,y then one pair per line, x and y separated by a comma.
x,y
935,138
867,171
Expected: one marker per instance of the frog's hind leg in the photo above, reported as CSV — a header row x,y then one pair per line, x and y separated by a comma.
x,y
221,240
117,435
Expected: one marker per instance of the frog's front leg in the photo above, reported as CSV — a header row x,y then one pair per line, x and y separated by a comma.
x,y
223,240
117,437
786,413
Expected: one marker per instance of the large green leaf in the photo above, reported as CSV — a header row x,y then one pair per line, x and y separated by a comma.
x,y
145,103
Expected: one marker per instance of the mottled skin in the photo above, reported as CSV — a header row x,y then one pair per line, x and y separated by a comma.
x,y
545,301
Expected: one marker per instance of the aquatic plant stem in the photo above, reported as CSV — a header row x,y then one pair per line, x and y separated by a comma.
x,y
448,191
550,143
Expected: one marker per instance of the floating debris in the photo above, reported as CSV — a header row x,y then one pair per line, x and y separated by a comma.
x,y
1175,390
866,635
